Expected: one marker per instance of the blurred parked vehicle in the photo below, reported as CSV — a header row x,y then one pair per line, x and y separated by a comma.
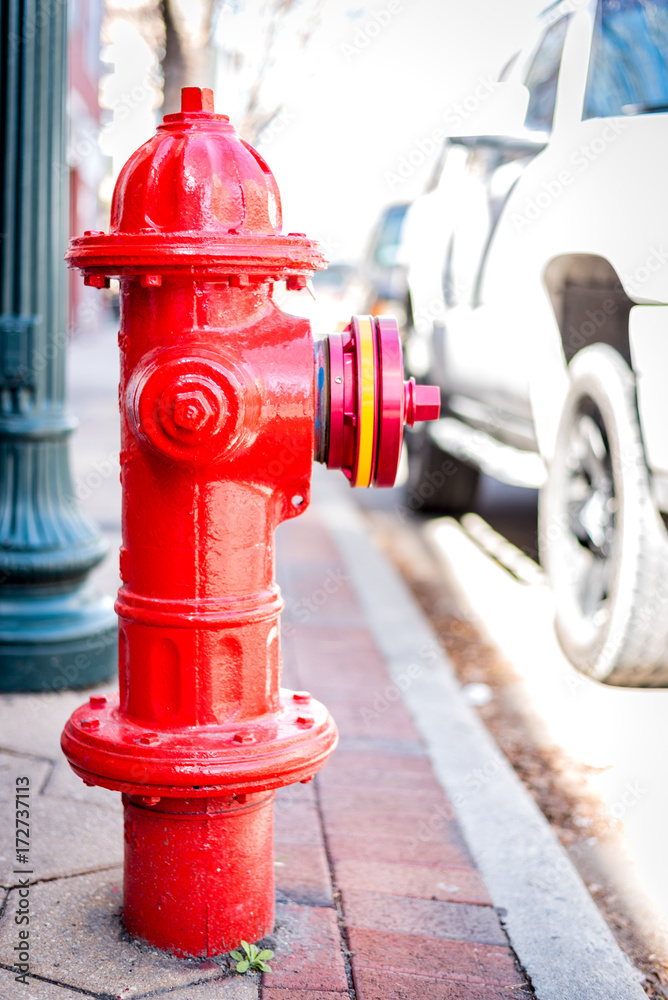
x,y
384,275
538,287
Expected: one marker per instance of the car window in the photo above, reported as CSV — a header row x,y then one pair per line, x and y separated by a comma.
x,y
628,65
389,236
542,76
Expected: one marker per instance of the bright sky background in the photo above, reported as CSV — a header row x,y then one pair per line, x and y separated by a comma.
x,y
365,107
373,83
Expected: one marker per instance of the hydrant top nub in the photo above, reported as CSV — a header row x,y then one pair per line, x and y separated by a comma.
x,y
197,99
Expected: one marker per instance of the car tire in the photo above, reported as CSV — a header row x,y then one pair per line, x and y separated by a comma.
x,y
438,482
602,541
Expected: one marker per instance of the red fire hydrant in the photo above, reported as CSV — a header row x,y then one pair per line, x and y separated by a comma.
x,y
224,402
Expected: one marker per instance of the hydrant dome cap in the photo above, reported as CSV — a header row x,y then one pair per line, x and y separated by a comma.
x,y
196,175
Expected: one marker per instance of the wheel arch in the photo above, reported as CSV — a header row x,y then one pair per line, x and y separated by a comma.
x,y
589,302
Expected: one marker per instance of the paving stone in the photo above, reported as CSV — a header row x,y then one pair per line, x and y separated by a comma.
x,y
33,990
352,721
297,822
361,691
76,938
441,959
307,947
418,826
383,744
372,985
66,838
302,874
336,800
298,541
366,846
427,821
302,994
32,723
63,783
458,885
296,793
350,763
394,779
13,766
233,987
318,592
432,918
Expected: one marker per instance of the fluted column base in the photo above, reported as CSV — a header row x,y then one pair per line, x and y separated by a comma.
x,y
55,637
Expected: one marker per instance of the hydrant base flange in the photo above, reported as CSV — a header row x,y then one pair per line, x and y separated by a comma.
x,y
105,748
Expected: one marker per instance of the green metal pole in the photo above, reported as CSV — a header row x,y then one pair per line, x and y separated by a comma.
x,y
55,631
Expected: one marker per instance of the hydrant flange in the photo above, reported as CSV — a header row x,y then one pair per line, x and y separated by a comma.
x,y
105,748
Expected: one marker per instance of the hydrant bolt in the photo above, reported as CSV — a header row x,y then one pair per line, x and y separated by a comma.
x,y
192,410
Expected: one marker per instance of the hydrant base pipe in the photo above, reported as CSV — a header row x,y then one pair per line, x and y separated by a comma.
x,y
199,873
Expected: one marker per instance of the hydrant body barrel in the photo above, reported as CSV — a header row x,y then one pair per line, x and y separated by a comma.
x,y
199,873
224,403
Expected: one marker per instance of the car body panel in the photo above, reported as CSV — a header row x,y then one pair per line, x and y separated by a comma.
x,y
478,247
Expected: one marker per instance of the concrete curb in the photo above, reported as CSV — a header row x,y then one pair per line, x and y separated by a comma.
x,y
556,930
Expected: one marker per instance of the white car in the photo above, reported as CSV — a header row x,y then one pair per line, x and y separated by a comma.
x,y
538,285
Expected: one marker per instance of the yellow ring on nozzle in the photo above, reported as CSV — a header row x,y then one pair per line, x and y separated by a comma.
x,y
367,415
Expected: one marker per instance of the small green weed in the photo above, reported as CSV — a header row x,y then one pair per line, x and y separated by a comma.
x,y
252,959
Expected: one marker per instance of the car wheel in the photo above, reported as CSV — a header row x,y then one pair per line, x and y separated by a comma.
x,y
438,482
602,541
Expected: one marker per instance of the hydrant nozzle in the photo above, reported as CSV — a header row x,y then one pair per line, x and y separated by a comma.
x,y
222,413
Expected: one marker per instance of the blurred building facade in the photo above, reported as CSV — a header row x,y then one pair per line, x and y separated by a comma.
x,y
85,164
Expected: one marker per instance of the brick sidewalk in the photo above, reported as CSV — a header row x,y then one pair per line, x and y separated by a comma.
x,y
378,890
377,893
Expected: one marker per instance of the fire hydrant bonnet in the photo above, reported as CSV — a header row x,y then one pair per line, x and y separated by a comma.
x,y
197,192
